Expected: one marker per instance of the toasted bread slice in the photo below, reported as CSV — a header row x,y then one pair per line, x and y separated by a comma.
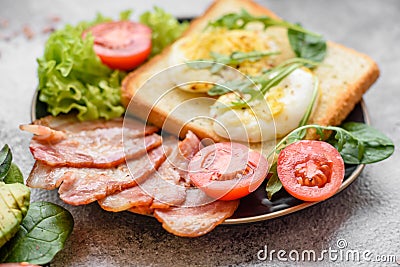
x,y
344,78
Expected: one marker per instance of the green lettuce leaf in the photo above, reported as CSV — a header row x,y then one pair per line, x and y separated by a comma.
x,y
72,77
165,27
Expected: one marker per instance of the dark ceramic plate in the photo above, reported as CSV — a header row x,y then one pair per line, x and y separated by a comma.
x,y
256,207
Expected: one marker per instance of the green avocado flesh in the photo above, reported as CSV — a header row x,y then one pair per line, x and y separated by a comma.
x,y
14,204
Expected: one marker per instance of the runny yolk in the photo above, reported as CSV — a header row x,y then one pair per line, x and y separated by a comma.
x,y
313,173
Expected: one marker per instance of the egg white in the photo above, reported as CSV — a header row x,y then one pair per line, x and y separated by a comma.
x,y
280,113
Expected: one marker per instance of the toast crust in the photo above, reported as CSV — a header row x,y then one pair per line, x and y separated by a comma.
x,y
344,80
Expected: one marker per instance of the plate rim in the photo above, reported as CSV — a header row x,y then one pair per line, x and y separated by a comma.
x,y
275,214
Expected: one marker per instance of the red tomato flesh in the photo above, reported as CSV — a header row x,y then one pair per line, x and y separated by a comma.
x,y
310,170
227,171
121,45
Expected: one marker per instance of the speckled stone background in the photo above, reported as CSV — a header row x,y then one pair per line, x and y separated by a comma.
x,y
366,215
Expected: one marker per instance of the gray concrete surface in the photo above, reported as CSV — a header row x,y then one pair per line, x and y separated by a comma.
x,y
366,214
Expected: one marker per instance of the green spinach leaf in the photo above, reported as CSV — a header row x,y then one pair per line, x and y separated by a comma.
x,y
359,143
42,234
14,175
5,161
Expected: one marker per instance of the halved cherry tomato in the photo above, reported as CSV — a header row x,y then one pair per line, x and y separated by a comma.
x,y
310,170
227,170
121,45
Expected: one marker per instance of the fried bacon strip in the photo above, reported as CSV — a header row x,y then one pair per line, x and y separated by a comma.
x,y
197,216
72,124
195,221
126,199
79,186
98,144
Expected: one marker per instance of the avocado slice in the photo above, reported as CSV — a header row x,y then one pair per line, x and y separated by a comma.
x,y
14,204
